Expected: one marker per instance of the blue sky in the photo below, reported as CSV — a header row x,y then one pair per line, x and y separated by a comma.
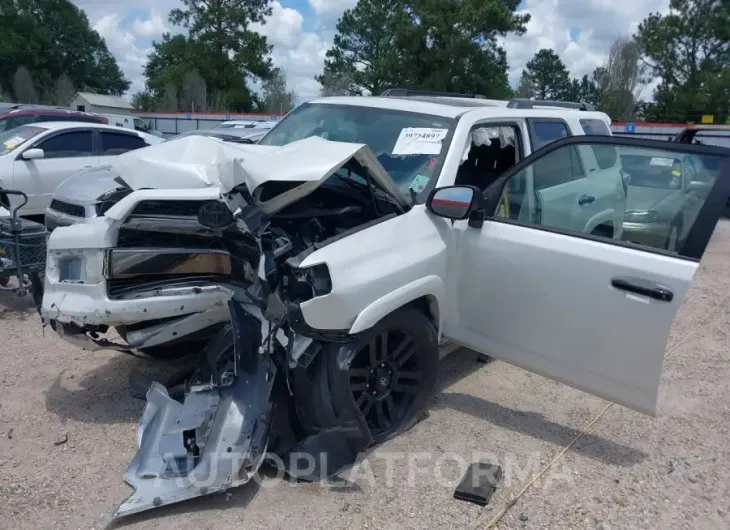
x,y
301,31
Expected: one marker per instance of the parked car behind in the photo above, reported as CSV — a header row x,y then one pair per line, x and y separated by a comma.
x,y
245,124
36,158
83,195
11,119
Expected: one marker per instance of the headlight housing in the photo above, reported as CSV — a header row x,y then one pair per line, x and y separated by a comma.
x,y
649,216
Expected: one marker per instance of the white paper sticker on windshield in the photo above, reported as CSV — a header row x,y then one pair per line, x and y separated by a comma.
x,y
666,162
419,141
12,142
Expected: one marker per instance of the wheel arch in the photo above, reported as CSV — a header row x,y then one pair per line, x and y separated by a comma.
x,y
425,293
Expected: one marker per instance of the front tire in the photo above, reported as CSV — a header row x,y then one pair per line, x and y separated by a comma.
x,y
389,378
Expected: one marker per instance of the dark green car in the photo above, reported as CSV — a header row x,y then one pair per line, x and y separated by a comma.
x,y
664,196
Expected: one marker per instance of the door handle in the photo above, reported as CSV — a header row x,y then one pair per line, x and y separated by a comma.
x,y
643,288
585,199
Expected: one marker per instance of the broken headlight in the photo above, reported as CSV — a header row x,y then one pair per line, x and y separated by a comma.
x,y
302,284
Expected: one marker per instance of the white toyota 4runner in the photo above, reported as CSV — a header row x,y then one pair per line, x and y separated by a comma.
x,y
329,266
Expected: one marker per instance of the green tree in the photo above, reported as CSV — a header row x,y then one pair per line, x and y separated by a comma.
x,y
549,76
524,89
220,46
52,38
452,45
145,101
276,98
689,50
364,49
448,45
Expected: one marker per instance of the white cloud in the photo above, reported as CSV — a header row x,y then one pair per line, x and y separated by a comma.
x,y
599,22
330,10
125,47
151,28
300,54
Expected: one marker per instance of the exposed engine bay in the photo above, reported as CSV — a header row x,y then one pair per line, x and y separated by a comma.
x,y
253,381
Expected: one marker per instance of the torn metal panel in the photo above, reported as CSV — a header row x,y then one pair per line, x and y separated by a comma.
x,y
206,162
215,439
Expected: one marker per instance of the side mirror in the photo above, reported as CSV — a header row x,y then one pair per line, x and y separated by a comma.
x,y
454,202
698,186
33,154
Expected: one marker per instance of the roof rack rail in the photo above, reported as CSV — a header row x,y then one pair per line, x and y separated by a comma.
x,y
401,92
521,103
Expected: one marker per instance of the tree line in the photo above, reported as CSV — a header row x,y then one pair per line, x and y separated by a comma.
x,y
49,50
452,45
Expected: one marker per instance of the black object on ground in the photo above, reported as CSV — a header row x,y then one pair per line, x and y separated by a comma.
x,y
483,358
479,483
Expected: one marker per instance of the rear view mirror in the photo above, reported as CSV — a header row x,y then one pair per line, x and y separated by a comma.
x,y
32,154
454,202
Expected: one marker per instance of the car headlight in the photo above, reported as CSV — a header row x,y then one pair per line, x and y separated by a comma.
x,y
650,216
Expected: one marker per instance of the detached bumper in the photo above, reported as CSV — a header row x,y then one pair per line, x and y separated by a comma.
x,y
650,234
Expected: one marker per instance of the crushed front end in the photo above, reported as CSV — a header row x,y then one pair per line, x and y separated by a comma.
x,y
214,274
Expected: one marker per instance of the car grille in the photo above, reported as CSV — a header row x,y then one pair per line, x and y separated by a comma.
x,y
67,208
168,208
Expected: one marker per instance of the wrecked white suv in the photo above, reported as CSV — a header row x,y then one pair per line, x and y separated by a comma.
x,y
318,276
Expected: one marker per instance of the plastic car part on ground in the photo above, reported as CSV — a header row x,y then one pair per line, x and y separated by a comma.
x,y
218,437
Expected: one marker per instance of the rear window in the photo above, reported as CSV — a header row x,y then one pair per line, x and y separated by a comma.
x,y
68,117
546,131
11,122
113,143
595,127
606,155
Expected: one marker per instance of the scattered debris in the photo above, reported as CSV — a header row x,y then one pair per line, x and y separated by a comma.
x,y
479,483
523,517
62,441
672,466
10,434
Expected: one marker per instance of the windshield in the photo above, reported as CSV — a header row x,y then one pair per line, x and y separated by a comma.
x,y
410,146
653,172
14,138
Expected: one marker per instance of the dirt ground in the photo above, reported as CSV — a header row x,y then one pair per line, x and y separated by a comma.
x,y
67,433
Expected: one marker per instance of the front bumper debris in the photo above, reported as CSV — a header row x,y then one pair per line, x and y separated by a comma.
x,y
216,439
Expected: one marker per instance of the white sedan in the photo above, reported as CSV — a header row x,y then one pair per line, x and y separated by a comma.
x,y
37,158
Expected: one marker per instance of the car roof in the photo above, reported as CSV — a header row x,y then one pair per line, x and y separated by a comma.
x,y
50,112
454,107
215,132
54,125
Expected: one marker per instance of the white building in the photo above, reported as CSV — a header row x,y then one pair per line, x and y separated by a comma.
x,y
100,104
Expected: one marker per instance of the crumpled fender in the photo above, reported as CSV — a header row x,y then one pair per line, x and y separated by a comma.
x,y
231,425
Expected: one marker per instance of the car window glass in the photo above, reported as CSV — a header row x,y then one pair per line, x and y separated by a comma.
x,y
116,143
595,127
606,155
409,145
14,138
67,145
14,121
545,131
651,208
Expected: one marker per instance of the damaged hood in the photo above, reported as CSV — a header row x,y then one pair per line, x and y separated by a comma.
x,y
200,162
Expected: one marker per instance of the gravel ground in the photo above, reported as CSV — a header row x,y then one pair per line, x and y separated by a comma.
x,y
67,428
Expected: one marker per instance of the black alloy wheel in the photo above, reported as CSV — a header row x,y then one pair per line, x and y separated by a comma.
x,y
386,377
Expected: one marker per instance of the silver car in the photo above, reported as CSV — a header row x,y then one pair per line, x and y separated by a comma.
x,y
90,192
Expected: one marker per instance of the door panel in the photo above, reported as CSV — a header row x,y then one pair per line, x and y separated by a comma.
x,y
592,312
66,154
